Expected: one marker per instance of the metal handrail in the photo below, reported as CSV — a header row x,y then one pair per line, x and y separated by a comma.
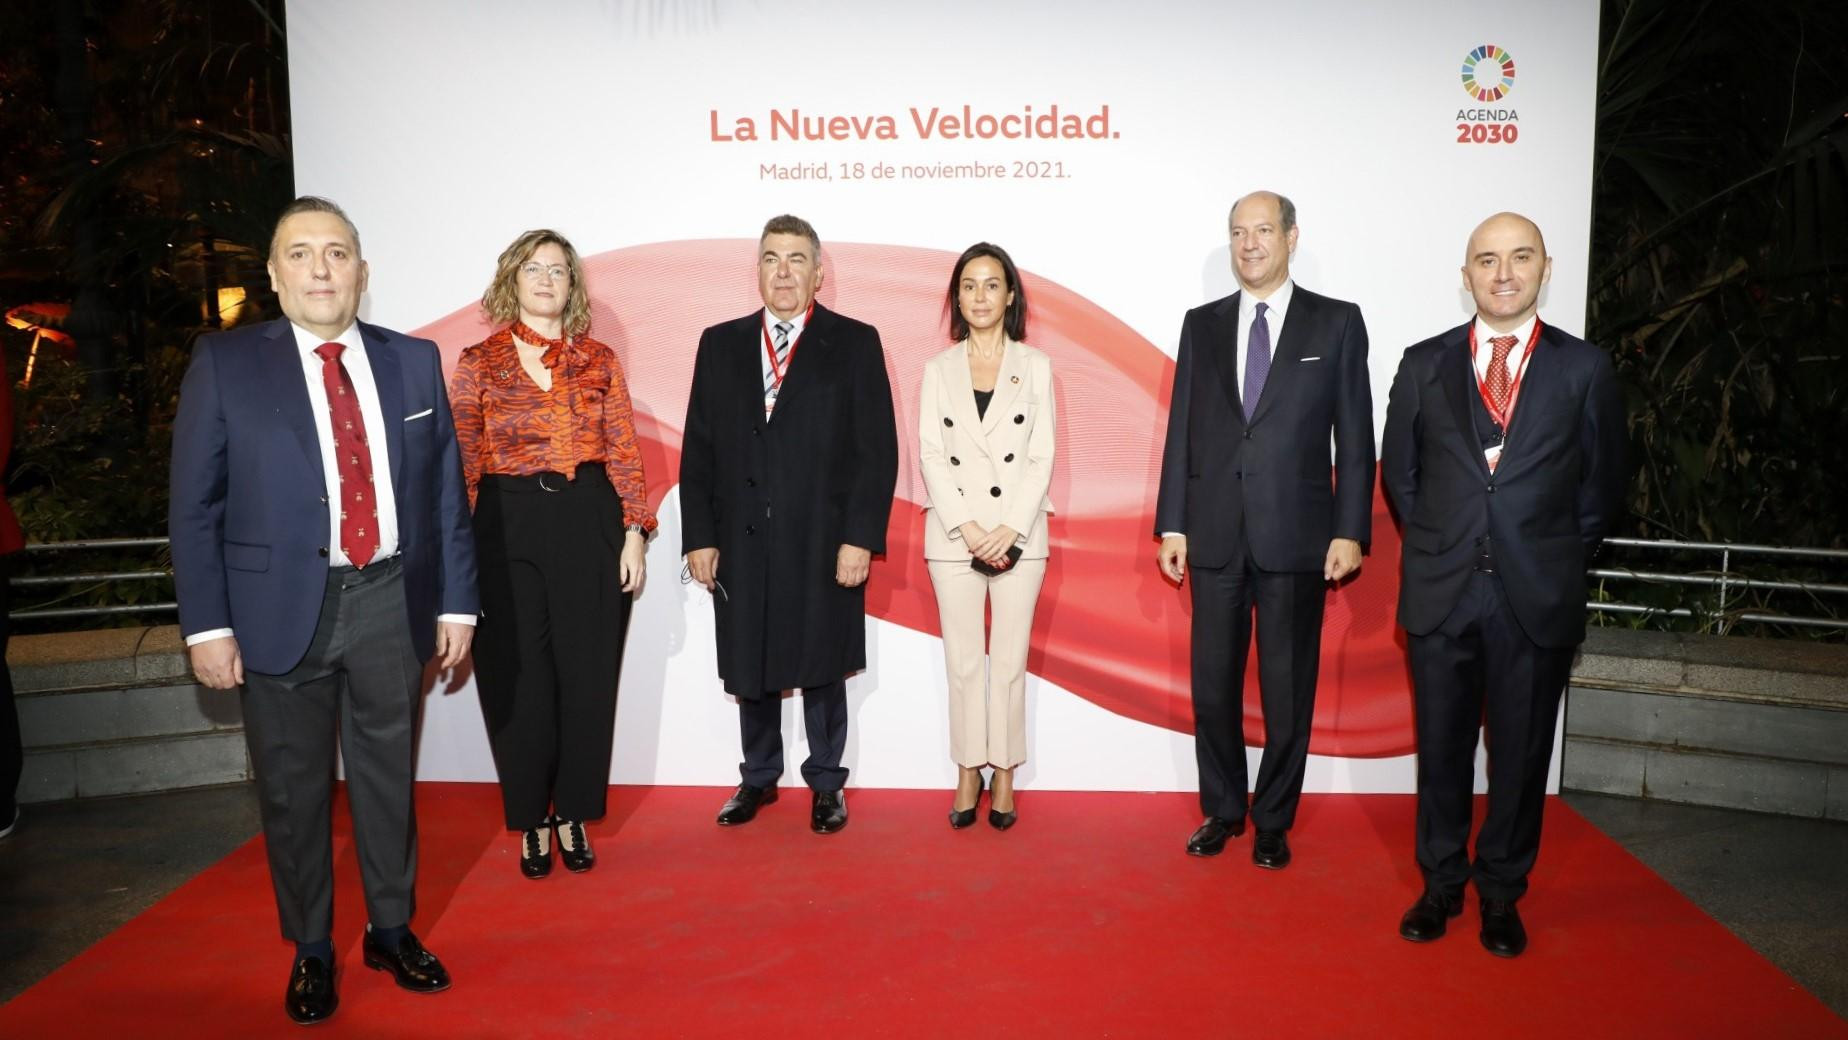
x,y
40,580
1726,582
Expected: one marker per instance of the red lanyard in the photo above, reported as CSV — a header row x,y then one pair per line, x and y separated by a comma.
x,y
1520,372
777,371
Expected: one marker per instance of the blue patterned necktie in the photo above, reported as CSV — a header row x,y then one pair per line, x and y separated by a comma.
x,y
1257,362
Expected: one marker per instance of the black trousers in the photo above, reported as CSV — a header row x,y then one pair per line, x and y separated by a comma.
x,y
824,714
548,650
1480,658
362,678
1289,608
12,753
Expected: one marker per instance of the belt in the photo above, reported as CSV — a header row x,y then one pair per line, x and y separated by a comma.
x,y
547,481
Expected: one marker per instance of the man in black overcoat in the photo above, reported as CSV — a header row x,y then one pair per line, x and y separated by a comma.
x,y
788,465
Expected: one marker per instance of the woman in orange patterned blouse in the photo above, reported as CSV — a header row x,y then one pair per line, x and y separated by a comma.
x,y
554,476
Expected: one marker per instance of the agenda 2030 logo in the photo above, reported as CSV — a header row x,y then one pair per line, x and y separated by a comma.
x,y
1488,77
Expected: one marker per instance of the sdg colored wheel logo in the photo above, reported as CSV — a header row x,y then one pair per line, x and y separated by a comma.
x,y
1488,73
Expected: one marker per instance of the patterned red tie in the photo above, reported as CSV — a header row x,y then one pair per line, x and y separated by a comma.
x,y
1498,374
359,510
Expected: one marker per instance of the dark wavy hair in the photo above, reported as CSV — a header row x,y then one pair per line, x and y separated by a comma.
x,y
1015,322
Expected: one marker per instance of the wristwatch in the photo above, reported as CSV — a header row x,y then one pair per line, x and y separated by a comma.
x,y
638,529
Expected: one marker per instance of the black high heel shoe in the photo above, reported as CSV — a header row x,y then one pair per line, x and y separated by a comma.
x,y
966,817
576,855
535,856
1002,820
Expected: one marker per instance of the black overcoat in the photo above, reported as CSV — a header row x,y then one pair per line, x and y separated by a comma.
x,y
778,498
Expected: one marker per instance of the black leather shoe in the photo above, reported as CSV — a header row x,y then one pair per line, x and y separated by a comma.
x,y
535,853
1502,933
414,967
1210,838
1271,851
829,813
1002,820
573,847
1429,917
960,818
742,807
310,997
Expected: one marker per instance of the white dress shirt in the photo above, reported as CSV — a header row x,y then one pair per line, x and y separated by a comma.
x,y
359,370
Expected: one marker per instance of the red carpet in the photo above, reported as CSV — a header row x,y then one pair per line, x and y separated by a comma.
x,y
1086,920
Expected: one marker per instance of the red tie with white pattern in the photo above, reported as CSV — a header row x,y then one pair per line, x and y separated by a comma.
x,y
1497,379
359,510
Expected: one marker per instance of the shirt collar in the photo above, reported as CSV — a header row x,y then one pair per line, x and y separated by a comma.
x,y
1521,335
796,323
306,341
1278,303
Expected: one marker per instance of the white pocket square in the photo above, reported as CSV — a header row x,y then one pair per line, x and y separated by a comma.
x,y
419,415
1318,357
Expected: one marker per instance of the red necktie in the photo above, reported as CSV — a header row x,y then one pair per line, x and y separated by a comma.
x,y
359,510
1498,374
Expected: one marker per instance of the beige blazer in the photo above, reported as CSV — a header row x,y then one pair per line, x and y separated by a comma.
x,y
992,470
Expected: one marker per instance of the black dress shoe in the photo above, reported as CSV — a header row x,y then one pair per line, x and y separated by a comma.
x,y
414,967
310,997
1429,917
1210,838
829,813
1502,933
1271,851
742,807
960,818
535,857
1002,820
575,852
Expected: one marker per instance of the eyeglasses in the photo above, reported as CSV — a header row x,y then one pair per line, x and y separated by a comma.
x,y
532,270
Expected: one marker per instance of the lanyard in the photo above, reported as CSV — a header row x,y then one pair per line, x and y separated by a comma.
x,y
776,371
1520,372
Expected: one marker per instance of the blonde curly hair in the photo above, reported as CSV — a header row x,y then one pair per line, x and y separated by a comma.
x,y
501,302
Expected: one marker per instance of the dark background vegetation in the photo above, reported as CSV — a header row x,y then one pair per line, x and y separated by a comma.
x,y
148,150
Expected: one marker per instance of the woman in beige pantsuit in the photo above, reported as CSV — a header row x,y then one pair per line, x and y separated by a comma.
x,y
985,431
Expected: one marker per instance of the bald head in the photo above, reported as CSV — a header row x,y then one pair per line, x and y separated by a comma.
x,y
1504,267
1505,223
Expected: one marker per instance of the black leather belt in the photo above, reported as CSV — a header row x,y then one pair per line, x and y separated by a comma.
x,y
547,481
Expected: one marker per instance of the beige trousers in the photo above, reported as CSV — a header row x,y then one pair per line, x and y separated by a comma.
x,y
988,692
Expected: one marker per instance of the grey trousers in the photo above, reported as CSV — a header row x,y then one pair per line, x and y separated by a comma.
x,y
361,679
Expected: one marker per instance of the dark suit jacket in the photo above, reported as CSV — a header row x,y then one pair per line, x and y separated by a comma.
x,y
778,499
1553,496
249,518
1267,481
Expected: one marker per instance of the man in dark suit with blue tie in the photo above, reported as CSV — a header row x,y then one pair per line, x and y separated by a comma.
x,y
1504,457
322,553
1262,380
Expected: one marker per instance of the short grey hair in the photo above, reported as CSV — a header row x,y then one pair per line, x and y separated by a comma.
x,y
315,204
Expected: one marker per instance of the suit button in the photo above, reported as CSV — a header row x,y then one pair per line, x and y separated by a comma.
x,y
1010,457
947,421
757,431
995,491
750,482
1491,489
959,491
1247,434
323,499
1018,419
749,529
323,550
954,461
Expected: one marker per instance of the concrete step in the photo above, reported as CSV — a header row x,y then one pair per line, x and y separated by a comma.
x,y
52,718
164,763
1710,720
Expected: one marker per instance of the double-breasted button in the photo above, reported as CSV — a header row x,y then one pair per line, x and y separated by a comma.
x,y
995,491
947,421
1009,458
1020,419
954,461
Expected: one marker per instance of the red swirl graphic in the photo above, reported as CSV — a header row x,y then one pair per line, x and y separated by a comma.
x,y
1109,627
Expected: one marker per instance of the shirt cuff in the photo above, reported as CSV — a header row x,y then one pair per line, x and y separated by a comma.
x,y
1172,534
207,636
460,619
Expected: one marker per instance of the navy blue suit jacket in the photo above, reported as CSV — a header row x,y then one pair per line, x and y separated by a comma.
x,y
1267,481
1556,491
249,518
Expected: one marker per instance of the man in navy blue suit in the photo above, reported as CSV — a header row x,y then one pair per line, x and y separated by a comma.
x,y
322,553
1504,456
